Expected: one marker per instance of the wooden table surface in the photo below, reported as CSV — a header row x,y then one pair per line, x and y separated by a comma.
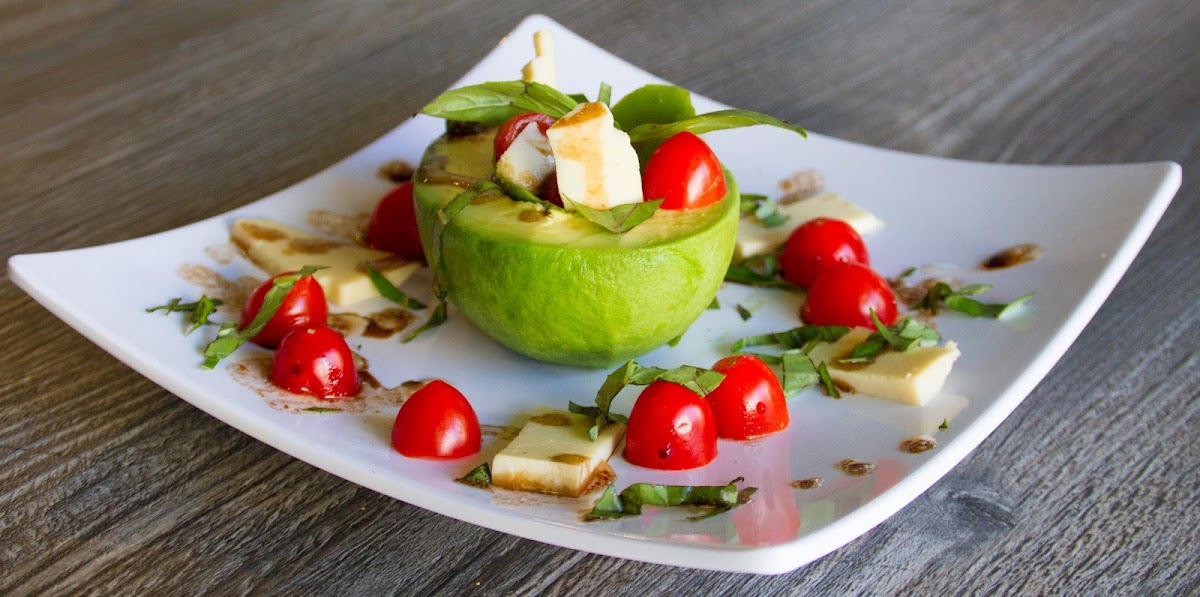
x,y
121,119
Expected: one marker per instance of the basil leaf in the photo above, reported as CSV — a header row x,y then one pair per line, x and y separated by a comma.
x,y
321,409
197,312
578,97
798,371
480,476
229,338
633,498
908,272
704,123
700,381
758,270
490,103
619,219
762,208
827,382
794,338
715,304
517,192
497,101
438,317
387,290
945,424
539,97
673,342
605,94
744,312
942,295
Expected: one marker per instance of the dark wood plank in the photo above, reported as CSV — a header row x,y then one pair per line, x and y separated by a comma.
x,y
123,119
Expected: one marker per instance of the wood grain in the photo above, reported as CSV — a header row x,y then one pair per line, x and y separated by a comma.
x,y
122,119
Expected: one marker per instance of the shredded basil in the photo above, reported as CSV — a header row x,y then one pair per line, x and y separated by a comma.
x,y
831,389
480,476
619,219
704,123
759,270
715,304
197,312
497,101
945,424
794,338
387,290
762,208
631,500
744,313
942,295
798,371
604,96
901,336
229,338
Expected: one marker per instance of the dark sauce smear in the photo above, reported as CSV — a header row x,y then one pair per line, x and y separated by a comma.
x,y
855,468
397,171
918,444
809,483
1011,257
457,128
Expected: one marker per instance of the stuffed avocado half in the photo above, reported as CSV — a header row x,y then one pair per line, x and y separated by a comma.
x,y
553,285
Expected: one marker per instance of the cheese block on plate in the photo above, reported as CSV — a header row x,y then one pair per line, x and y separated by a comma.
x,y
553,454
913,376
755,239
277,248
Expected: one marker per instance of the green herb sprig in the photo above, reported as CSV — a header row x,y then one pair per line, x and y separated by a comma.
x,y
706,123
763,209
942,295
631,500
497,101
387,290
759,270
619,219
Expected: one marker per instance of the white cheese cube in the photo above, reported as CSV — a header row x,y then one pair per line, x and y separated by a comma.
x,y
543,68
553,454
754,239
277,248
527,161
913,376
597,166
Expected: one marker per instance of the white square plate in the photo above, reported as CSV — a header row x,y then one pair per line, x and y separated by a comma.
x,y
1089,221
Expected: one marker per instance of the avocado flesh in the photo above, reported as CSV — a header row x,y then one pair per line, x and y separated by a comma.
x,y
559,288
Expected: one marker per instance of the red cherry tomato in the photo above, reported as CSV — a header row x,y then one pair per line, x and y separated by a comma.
x,y
670,428
684,173
845,294
512,128
304,306
549,190
436,422
393,225
317,361
749,402
817,243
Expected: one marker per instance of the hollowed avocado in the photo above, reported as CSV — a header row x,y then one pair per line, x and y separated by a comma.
x,y
557,287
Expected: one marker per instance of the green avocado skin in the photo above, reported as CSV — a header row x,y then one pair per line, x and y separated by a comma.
x,y
582,304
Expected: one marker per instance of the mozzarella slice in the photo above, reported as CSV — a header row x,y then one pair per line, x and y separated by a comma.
x,y
543,68
596,164
553,454
277,248
754,239
527,161
913,376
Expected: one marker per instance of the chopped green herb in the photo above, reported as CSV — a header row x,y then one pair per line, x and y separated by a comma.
x,y
715,304
700,381
901,336
831,389
619,219
322,409
798,337
673,342
942,295
759,270
908,272
744,312
229,338
438,317
632,499
497,101
704,123
197,312
945,424
480,476
517,192
762,208
387,290
604,96
798,371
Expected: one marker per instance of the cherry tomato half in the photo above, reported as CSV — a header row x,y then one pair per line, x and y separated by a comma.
x,y
845,294
670,428
749,402
512,128
436,422
317,361
304,306
549,190
817,243
393,225
684,173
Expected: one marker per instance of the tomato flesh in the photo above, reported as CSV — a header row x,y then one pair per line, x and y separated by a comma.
x,y
393,224
315,360
512,128
670,428
436,422
684,173
304,306
749,402
845,294
817,243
